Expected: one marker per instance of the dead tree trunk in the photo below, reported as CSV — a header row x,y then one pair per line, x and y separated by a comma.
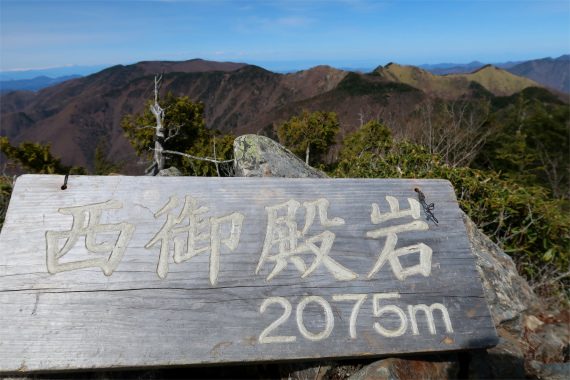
x,y
158,112
161,132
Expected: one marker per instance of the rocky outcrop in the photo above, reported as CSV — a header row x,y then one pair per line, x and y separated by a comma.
x,y
259,156
551,371
419,367
170,172
508,296
507,293
504,361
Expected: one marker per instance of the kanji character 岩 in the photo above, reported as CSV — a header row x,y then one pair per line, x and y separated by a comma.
x,y
212,238
93,213
388,252
282,232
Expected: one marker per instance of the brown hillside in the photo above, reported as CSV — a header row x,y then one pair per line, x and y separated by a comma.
x,y
75,114
498,81
191,66
237,98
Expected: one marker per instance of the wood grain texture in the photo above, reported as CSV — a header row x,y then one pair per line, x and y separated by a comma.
x,y
81,318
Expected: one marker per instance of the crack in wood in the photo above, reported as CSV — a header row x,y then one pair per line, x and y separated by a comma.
x,y
36,303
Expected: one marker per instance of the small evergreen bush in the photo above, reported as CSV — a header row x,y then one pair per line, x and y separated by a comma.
x,y
523,220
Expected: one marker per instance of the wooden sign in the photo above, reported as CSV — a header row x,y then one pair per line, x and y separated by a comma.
x,y
155,271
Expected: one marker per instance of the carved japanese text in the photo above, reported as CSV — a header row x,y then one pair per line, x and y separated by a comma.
x,y
389,253
282,232
92,213
196,242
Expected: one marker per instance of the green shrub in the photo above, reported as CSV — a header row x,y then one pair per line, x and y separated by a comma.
x,y
523,220
357,85
6,187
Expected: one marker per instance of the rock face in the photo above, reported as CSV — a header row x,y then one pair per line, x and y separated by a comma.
x,y
419,367
259,156
507,293
551,371
504,361
170,172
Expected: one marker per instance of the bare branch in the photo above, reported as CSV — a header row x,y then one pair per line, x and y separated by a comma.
x,y
215,158
457,131
546,273
532,221
145,127
173,132
197,158
150,170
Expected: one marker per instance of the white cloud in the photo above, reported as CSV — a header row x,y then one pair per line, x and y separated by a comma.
x,y
35,68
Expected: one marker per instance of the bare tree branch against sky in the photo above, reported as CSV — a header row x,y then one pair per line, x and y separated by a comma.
x,y
280,35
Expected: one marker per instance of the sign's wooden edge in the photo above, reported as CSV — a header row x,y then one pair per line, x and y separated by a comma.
x,y
175,365
190,178
254,361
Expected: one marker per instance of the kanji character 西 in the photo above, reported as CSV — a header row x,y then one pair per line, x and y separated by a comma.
x,y
93,213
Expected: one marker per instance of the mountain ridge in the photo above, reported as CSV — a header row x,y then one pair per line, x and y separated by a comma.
x,y
238,98
438,68
74,115
495,80
551,72
548,71
33,84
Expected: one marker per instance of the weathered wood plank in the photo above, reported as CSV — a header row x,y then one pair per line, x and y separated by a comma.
x,y
61,311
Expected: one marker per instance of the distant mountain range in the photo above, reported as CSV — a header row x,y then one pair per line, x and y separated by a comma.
x,y
238,98
441,68
50,72
551,72
33,84
548,71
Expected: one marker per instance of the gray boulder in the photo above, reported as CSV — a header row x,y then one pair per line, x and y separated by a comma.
x,y
504,361
170,172
551,371
507,293
305,370
445,366
551,348
259,156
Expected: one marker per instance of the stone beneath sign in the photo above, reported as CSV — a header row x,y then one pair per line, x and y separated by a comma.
x,y
149,271
440,367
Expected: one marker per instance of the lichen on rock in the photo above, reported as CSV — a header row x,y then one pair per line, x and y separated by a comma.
x,y
259,156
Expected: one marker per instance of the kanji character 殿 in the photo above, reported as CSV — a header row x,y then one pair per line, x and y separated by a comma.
x,y
194,238
282,232
388,252
93,213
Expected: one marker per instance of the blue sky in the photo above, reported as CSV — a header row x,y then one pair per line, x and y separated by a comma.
x,y
279,35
